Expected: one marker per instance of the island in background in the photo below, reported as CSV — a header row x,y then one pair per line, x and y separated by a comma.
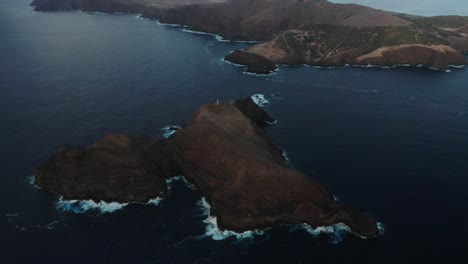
x,y
312,32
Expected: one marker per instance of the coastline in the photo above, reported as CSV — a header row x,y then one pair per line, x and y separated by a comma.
x,y
153,14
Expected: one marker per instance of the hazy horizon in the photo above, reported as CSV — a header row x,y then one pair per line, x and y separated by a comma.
x,y
417,7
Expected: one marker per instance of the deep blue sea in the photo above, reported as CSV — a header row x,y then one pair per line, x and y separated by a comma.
x,y
392,142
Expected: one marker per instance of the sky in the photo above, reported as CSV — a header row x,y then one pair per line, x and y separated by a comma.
x,y
417,7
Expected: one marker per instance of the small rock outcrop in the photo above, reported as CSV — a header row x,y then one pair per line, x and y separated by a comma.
x,y
255,63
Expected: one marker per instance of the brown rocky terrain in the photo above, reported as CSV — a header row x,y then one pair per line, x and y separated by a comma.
x,y
326,45
224,152
118,168
314,32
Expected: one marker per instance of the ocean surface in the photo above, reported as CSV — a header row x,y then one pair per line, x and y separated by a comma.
x,y
392,142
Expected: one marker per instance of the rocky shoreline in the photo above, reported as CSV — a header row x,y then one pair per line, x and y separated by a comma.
x,y
224,152
294,32
433,57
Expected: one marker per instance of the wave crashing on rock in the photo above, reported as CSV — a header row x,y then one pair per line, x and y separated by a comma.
x,y
212,229
82,206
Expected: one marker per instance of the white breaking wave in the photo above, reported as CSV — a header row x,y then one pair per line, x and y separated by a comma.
x,y
31,180
285,157
156,201
274,72
334,232
212,230
260,100
381,228
81,206
232,63
251,73
169,130
186,28
457,66
182,179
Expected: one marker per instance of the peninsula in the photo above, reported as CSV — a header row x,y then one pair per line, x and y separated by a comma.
x,y
224,152
312,32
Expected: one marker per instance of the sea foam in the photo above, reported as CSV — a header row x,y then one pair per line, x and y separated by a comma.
x,y
212,229
32,182
156,201
286,157
260,100
182,179
381,228
168,131
81,206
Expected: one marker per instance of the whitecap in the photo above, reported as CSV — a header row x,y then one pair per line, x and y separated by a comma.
x,y
334,232
285,157
260,100
232,63
212,229
81,206
381,228
182,179
274,72
168,131
32,182
156,201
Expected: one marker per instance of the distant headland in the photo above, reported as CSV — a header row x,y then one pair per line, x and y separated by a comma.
x,y
312,32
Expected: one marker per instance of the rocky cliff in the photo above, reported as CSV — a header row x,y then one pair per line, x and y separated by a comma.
x,y
224,152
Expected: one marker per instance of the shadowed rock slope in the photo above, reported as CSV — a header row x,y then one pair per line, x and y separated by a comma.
x,y
224,152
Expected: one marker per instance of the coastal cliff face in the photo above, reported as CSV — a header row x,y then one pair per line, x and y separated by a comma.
x,y
314,32
224,152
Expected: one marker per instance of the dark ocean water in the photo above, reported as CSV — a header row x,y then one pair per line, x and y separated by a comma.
x,y
393,142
